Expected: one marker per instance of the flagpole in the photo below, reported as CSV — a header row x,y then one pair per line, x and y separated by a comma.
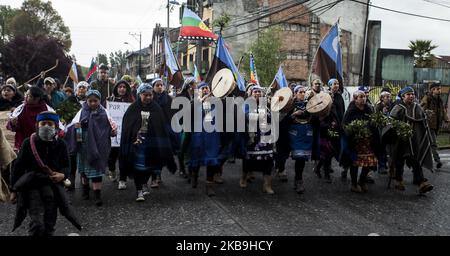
x,y
317,50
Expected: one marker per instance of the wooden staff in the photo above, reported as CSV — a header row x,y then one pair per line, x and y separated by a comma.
x,y
50,69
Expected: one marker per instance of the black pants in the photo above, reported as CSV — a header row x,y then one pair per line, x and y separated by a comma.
x,y
251,165
210,171
299,167
141,178
280,162
416,168
42,211
362,176
73,168
113,157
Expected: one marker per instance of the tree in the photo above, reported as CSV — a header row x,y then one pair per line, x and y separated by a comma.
x,y
6,15
267,54
35,18
25,57
222,21
118,61
422,53
102,59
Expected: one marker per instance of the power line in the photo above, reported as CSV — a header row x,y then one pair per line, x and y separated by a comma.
x,y
441,4
269,14
401,12
329,6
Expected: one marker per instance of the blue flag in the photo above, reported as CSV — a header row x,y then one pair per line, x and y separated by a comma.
x,y
280,78
224,56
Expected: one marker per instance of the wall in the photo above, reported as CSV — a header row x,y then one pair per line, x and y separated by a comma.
x,y
441,74
395,66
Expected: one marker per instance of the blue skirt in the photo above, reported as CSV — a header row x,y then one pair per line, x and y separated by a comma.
x,y
301,139
141,162
204,149
82,162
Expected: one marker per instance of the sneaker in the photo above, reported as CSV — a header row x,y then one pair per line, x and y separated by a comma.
x,y
158,179
122,185
140,196
218,179
145,190
439,165
154,184
425,187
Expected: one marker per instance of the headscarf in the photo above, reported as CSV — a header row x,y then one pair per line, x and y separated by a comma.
x,y
363,88
357,93
188,81
298,87
331,82
157,80
406,90
95,93
202,84
82,83
144,87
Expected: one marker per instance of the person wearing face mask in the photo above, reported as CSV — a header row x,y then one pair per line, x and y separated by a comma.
x,y
121,93
144,143
10,98
37,178
22,119
417,150
89,136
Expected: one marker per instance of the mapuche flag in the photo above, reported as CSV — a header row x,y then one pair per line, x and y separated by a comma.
x,y
280,80
223,59
328,60
192,27
170,66
92,70
253,74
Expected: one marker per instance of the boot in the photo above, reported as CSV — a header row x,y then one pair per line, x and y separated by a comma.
x,y
218,178
243,180
98,197
299,188
267,186
209,188
85,194
72,180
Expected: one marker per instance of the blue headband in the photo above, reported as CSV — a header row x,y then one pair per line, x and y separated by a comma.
x,y
95,93
157,80
144,87
202,84
331,81
406,90
298,87
48,115
363,88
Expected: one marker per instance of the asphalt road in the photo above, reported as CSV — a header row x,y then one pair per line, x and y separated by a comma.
x,y
325,209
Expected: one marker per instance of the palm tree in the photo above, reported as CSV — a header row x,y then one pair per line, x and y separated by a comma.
x,y
422,53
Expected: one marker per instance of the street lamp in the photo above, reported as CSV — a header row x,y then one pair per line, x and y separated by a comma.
x,y
173,2
140,49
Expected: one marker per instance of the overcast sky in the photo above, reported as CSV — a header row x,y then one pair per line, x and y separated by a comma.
x,y
104,25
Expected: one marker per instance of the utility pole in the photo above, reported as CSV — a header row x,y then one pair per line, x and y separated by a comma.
x,y
198,50
140,49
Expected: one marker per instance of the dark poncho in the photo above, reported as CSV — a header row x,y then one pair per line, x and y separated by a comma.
x,y
14,103
418,146
159,150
